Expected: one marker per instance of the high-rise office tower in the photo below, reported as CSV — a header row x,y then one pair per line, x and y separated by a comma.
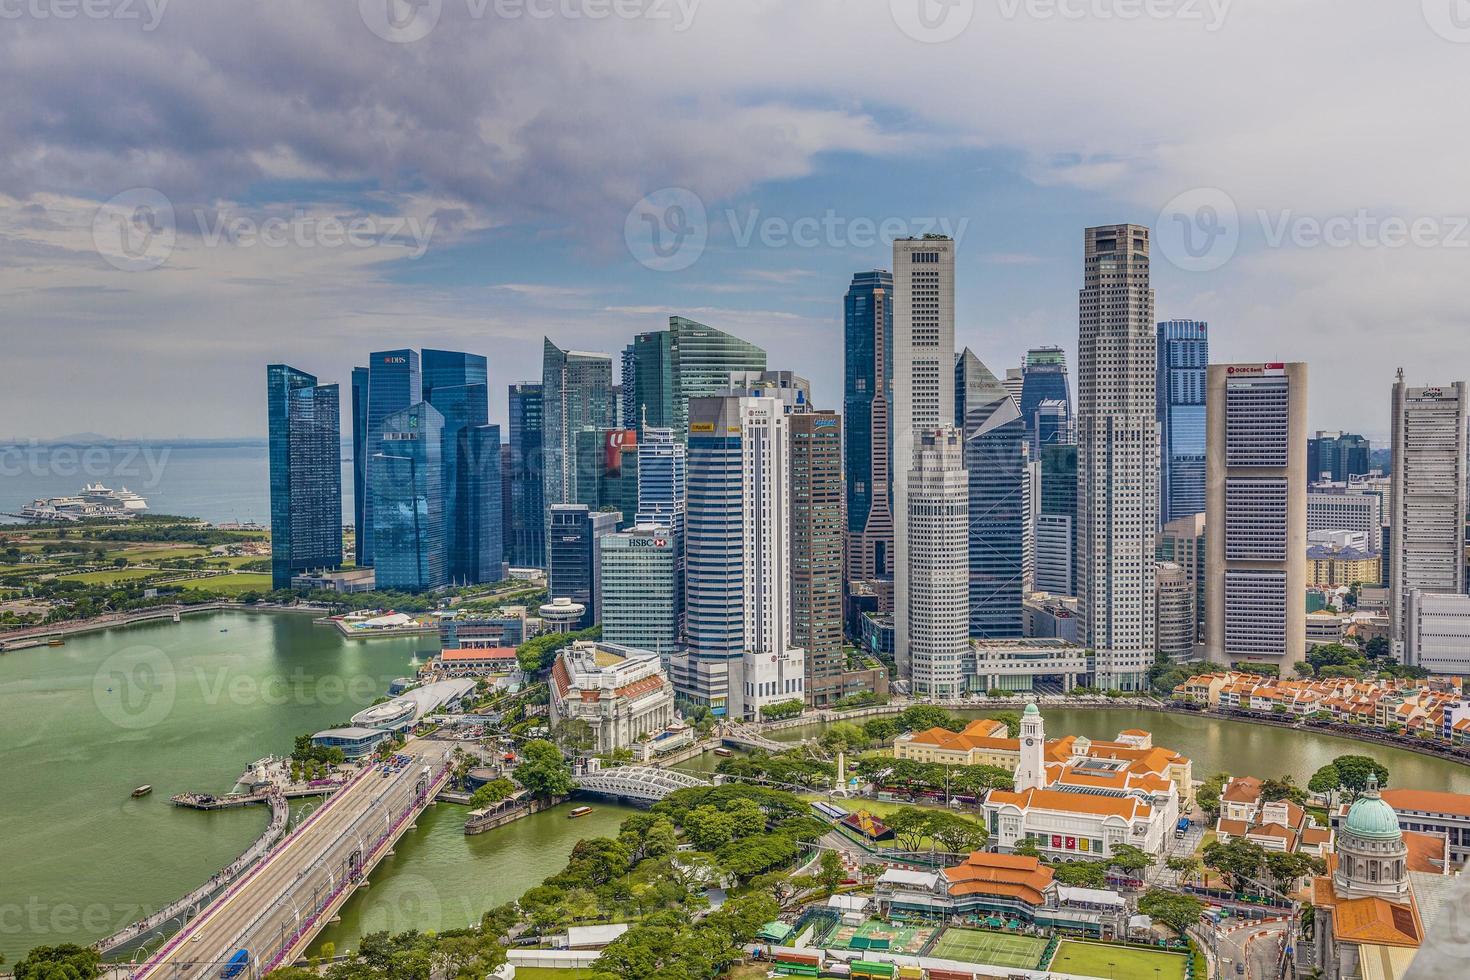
x,y
1428,495
662,460
405,488
1183,353
1182,542
359,452
456,384
1337,456
393,384
628,383
576,397
1056,522
996,460
640,606
614,473
975,386
574,556
1256,514
937,526
688,360
1015,382
737,558
867,413
1046,398
817,533
923,389
1117,454
305,438
527,540
1174,627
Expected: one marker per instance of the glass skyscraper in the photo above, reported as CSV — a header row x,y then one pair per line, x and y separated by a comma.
x,y
1337,456
359,451
455,383
576,397
393,384
640,586
1056,522
688,360
304,420
1046,398
575,556
527,544
867,410
997,458
1183,355
405,483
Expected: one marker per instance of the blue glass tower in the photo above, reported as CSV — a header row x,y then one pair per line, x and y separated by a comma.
x,y
1046,398
867,413
997,457
1183,355
455,384
393,384
359,450
527,545
304,420
406,491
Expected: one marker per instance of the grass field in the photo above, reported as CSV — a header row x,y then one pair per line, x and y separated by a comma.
x,y
1116,962
990,948
109,576
232,584
551,973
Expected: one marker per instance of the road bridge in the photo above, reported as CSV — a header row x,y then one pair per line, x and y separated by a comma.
x,y
277,908
643,783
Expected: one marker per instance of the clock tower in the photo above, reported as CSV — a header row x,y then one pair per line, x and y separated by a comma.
x,y
1031,770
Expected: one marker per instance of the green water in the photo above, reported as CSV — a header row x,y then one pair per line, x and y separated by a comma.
x,y
437,878
181,706
1218,745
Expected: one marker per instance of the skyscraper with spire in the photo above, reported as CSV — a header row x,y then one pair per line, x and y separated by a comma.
x,y
1117,453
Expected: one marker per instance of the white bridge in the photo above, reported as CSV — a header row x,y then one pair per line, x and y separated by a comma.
x,y
637,782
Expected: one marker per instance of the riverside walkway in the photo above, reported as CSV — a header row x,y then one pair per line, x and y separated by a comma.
x,y
279,905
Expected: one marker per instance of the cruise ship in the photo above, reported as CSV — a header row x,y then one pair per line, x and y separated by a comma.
x,y
94,502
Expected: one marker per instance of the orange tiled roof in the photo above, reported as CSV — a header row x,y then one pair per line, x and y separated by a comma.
x,y
1431,801
1005,875
1062,801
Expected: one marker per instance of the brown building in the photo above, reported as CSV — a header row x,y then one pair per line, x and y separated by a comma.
x,y
817,534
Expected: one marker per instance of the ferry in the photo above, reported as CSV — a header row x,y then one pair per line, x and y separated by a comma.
x,y
56,641
579,811
723,752
143,790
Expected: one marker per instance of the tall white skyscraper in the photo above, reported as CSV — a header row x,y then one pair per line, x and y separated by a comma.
x,y
923,389
1117,454
937,523
1428,497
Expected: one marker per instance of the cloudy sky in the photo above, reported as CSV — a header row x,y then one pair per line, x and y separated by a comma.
x,y
192,189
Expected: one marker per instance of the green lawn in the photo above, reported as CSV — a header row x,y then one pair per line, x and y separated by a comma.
x,y
990,948
109,576
1116,962
551,973
232,584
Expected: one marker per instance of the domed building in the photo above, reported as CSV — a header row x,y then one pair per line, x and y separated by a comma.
x,y
1368,913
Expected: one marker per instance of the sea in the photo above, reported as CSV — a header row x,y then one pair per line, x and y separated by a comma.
x,y
219,481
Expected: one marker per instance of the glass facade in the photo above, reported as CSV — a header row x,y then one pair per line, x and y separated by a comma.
x,y
359,448
688,360
1337,456
1183,354
406,490
393,384
455,384
576,397
817,537
996,458
304,421
1046,398
868,367
639,590
575,553
1058,500
527,544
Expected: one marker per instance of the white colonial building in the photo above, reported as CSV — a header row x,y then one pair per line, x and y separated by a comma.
x,y
622,693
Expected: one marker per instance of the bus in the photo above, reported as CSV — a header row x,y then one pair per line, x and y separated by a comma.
x,y
237,964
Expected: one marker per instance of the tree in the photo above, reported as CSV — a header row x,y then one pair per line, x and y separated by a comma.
x,y
492,793
575,735
843,736
921,717
1208,794
1187,867
831,873
1283,788
1353,772
543,771
65,962
709,828
1012,722
910,826
1130,859
956,834
1174,910
1081,874
1027,847
880,730
1326,780
1238,860
1284,869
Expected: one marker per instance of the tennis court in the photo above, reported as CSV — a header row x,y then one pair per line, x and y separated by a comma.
x,y
1116,962
875,934
990,948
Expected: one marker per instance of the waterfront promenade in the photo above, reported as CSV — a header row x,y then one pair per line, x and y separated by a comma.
x,y
34,636
279,905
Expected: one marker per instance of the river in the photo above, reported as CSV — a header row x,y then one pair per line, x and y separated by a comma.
x,y
186,706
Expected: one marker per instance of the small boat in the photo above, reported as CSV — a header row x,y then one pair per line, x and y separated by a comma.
x,y
580,811
143,790
55,641
723,752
